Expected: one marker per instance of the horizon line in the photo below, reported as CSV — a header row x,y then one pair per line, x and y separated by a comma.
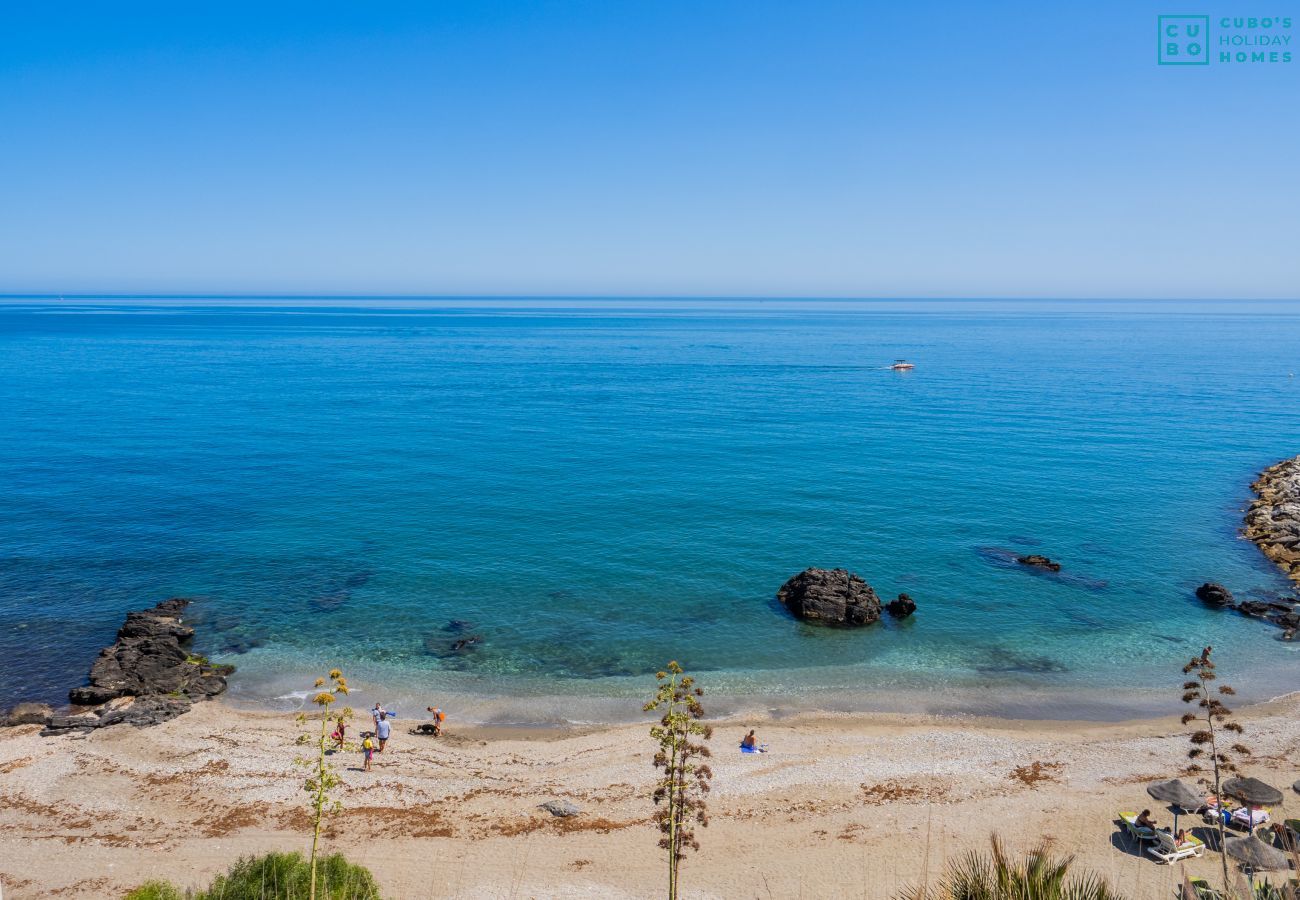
x,y
312,295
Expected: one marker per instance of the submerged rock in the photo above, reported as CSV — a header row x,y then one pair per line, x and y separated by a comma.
x,y
830,596
147,676
1039,562
901,608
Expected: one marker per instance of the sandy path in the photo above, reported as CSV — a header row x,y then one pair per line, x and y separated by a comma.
x,y
845,807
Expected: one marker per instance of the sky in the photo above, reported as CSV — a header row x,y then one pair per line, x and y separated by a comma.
x,y
620,147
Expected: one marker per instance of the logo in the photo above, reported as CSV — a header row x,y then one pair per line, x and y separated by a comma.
x,y
1183,40
1187,41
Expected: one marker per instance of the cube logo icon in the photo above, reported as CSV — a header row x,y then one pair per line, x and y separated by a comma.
x,y
1184,40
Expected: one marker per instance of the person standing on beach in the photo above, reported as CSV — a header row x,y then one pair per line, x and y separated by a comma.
x,y
339,734
438,718
367,752
383,728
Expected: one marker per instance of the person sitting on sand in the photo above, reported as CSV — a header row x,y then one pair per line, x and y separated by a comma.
x,y
750,743
339,733
1144,820
438,718
367,751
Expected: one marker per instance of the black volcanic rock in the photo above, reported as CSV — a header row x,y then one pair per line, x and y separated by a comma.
x,y
901,608
1214,594
831,597
147,676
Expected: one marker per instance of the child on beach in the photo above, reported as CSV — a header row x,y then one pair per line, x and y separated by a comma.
x,y
368,751
338,734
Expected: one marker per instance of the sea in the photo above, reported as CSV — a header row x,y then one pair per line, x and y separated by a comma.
x,y
520,509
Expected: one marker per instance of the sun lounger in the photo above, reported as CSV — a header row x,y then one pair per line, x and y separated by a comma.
x,y
1134,831
1165,850
1249,819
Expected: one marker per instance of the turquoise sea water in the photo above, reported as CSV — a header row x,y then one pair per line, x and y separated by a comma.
x,y
597,487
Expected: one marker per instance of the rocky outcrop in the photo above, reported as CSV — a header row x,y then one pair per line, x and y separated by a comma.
x,y
830,597
1039,562
1214,594
901,608
1281,611
147,676
27,714
1273,520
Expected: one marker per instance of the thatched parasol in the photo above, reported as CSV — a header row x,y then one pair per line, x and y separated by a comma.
x,y
1255,853
1252,791
1178,795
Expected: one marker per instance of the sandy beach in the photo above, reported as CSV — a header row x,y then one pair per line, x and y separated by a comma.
x,y
841,807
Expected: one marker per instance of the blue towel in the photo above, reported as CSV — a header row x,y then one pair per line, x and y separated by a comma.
x,y
748,749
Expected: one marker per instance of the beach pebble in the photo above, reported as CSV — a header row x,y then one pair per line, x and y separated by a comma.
x,y
560,808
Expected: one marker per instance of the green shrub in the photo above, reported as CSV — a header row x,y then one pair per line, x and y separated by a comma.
x,y
156,890
275,876
287,876
996,876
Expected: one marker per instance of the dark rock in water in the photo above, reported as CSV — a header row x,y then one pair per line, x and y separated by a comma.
x,y
338,591
1254,608
241,643
459,626
562,809
1041,565
901,608
357,579
998,556
1001,659
147,676
331,600
1039,562
1283,613
830,596
1214,594
465,644
27,714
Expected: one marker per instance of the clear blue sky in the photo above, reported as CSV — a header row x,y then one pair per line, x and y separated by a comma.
x,y
611,147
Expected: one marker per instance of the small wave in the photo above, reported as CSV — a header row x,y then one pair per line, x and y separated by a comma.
x,y
299,698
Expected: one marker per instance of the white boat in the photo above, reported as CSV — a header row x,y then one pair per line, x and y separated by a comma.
x,y
902,365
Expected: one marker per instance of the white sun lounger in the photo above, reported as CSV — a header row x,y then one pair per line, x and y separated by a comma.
x,y
1165,850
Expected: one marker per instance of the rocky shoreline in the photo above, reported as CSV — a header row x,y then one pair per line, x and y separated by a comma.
x,y
145,677
1273,519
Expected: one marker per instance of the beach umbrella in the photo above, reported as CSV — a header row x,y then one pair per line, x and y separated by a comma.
x,y
1178,795
1252,791
1255,854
